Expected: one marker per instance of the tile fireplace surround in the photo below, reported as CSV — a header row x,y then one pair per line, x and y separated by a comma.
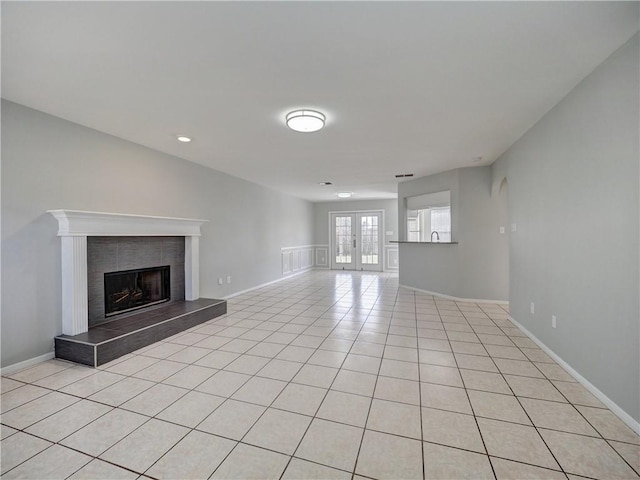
x,y
80,344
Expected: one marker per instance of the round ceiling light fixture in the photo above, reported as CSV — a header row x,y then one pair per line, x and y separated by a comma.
x,y
183,138
344,194
305,121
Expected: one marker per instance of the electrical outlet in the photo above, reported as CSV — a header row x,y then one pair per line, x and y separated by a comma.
x,y
501,230
229,279
220,281
533,308
553,321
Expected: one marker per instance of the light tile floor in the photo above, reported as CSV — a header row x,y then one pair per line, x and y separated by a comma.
x,y
324,375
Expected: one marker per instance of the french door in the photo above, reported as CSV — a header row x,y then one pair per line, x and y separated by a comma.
x,y
356,241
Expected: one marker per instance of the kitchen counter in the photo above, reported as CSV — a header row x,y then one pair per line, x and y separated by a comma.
x,y
424,243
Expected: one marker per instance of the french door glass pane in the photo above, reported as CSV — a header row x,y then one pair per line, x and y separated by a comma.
x,y
369,239
343,239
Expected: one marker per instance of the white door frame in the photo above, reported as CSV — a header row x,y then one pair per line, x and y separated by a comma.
x,y
381,247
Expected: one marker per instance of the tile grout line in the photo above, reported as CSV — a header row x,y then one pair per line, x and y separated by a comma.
x,y
422,440
532,422
86,398
375,386
320,406
288,383
237,442
484,445
572,404
336,326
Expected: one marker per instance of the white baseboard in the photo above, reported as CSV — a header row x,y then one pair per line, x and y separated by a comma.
x,y
624,416
293,274
277,280
9,369
457,299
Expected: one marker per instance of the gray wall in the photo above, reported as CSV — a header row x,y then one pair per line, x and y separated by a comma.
x,y
573,184
476,268
484,251
49,163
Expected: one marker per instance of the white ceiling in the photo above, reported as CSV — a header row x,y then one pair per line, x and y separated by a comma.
x,y
407,87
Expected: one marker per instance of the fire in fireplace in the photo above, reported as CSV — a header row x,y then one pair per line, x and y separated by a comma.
x,y
132,289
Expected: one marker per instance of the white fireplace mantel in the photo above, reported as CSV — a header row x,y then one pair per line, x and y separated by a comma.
x,y
74,226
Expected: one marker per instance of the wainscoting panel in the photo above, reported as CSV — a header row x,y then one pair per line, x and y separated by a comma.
x,y
286,262
322,256
295,260
391,254
304,257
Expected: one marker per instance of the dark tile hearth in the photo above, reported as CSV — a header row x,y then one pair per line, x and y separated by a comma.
x,y
111,340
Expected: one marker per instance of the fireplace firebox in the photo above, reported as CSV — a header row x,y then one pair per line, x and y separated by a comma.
x,y
129,290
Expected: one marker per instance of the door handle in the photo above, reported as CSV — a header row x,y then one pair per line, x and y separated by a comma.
x,y
354,243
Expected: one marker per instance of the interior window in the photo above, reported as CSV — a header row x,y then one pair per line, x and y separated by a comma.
x,y
428,217
429,224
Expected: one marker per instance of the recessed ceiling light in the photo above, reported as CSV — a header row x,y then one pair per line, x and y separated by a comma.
x,y
344,194
325,183
183,139
476,159
305,121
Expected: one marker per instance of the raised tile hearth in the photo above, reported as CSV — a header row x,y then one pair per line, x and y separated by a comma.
x,y
111,340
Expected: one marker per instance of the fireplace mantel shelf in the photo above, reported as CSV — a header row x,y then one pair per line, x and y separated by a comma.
x,y
87,224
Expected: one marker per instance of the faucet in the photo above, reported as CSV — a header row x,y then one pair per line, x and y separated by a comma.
x,y
437,236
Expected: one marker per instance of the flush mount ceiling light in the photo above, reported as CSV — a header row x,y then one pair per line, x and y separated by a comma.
x,y
305,121
344,194
183,138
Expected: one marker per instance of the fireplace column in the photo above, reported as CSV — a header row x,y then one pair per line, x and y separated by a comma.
x,y
191,268
75,309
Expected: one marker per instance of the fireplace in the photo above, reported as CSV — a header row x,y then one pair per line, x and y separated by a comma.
x,y
133,289
78,231
145,259
136,258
